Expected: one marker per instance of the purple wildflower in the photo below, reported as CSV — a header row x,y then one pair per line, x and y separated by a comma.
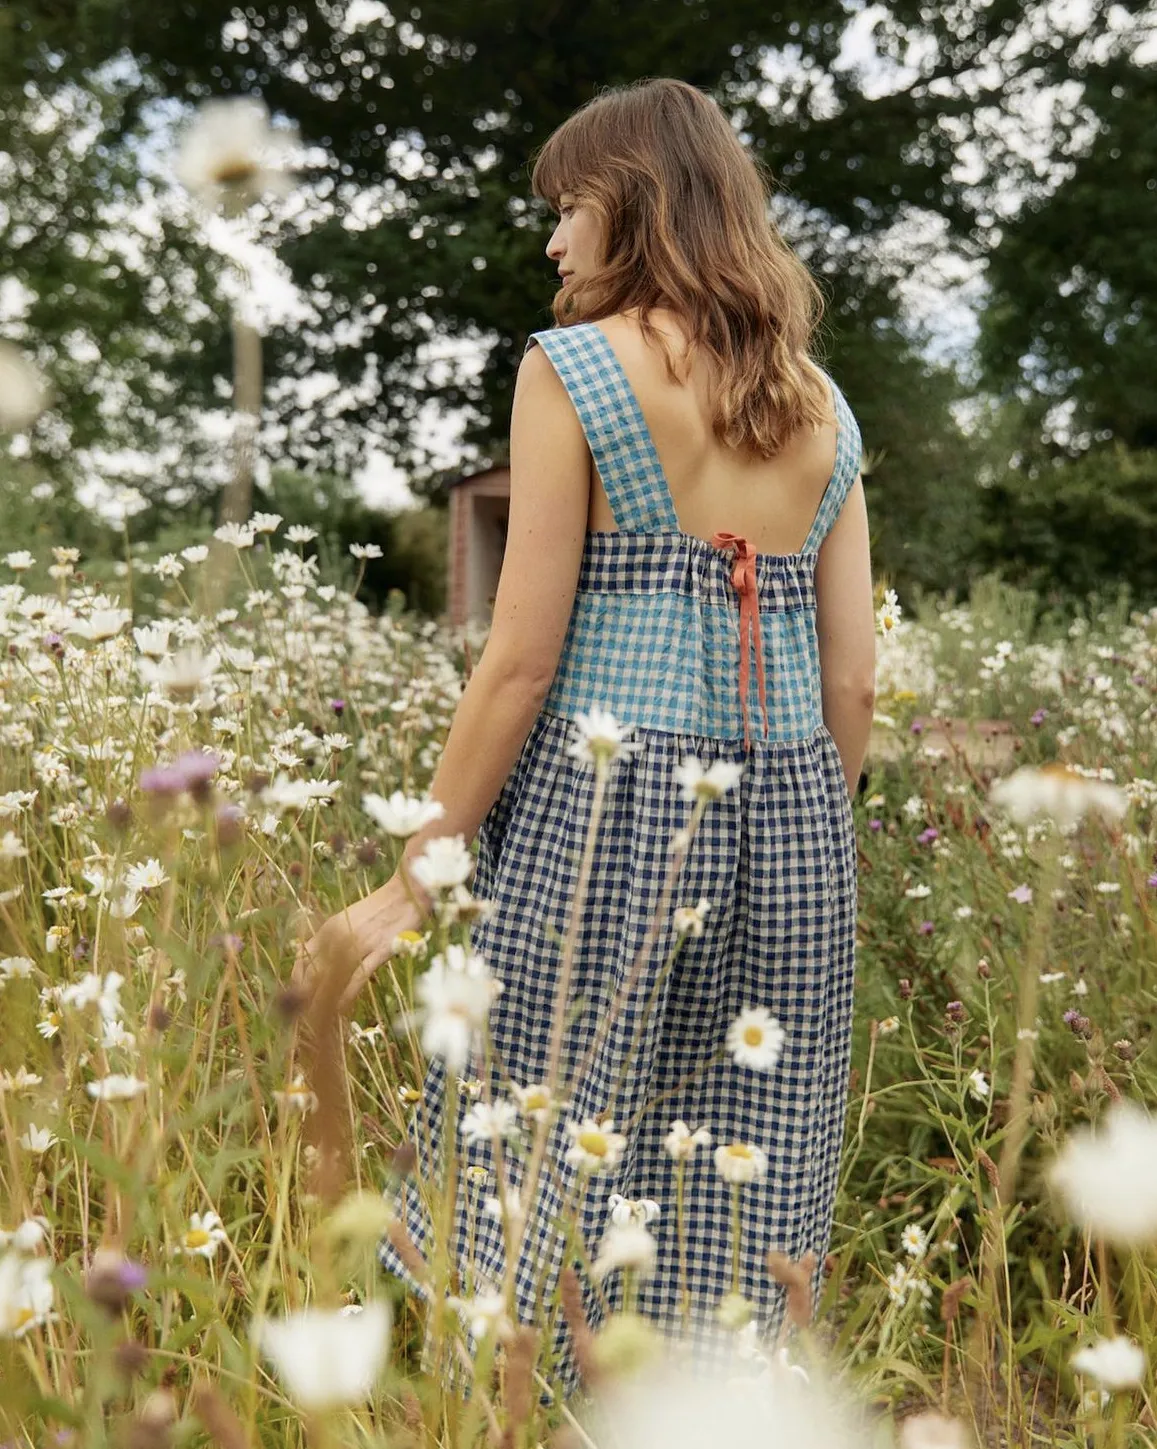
x,y
162,780
926,837
926,928
879,825
337,705
1038,716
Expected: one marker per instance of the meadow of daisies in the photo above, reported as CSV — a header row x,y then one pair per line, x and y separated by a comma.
x,y
195,1156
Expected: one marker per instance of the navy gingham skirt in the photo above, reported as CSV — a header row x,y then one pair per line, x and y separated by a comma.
x,y
775,857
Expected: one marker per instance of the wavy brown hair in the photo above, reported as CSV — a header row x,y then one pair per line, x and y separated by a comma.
x,y
686,226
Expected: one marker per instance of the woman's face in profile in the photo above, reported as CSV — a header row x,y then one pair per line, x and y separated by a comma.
x,y
575,243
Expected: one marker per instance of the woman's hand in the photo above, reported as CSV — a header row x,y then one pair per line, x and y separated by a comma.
x,y
365,932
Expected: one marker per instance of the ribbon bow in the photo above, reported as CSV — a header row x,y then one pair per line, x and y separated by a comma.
x,y
743,580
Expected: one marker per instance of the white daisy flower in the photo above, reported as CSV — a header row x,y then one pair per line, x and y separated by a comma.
x,y
230,155
239,535
38,1139
689,919
600,736
490,1121
632,1210
445,862
1058,793
740,1161
978,1085
626,1245
755,1039
297,1096
202,1237
534,1100
454,996
401,814
115,1088
32,1234
914,1240
366,550
23,397
595,1145
484,1313
681,1142
1108,1178
327,1359
1116,1363
710,784
26,1294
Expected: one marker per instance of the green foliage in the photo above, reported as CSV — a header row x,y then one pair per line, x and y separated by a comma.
x,y
1077,527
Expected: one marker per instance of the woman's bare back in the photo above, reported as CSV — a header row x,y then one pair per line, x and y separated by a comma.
x,y
771,501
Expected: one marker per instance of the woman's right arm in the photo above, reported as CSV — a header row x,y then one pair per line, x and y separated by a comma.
x,y
846,626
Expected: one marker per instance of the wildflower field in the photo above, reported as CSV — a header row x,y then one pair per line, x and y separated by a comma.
x,y
194,1153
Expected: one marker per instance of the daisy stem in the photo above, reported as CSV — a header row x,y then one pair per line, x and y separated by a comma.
x,y
735,1235
681,1236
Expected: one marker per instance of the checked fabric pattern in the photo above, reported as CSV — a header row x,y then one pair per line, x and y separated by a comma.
x,y
654,638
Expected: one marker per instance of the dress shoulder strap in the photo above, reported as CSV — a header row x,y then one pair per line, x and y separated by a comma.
x,y
849,459
613,424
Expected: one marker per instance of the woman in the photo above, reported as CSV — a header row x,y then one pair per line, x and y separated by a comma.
x,y
687,549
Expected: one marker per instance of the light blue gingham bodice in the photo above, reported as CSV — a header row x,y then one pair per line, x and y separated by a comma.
x,y
654,635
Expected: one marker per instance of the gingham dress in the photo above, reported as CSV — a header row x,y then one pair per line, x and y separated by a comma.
x,y
655,637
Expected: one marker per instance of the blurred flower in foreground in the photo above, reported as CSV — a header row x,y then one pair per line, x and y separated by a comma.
x,y
326,1359
684,1406
1116,1363
1057,792
25,1294
1108,1178
23,391
230,156
933,1431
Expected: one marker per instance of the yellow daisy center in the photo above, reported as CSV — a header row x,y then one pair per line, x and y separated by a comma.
x,y
740,1149
533,1099
753,1035
21,1317
410,935
196,1238
593,1142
